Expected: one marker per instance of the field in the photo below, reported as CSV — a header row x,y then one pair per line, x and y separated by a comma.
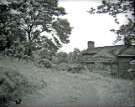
x,y
64,89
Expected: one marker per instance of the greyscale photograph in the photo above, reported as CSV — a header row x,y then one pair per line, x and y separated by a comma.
x,y
67,53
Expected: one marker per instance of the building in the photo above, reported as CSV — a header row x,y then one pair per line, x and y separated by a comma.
x,y
126,61
113,59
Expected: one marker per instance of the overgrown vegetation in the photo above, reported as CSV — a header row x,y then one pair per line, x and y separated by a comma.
x,y
25,24
13,86
29,26
26,27
45,63
69,62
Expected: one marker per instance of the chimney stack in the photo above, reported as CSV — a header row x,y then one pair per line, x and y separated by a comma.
x,y
91,44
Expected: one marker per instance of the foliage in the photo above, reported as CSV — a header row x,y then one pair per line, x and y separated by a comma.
x,y
8,28
69,58
45,63
126,32
76,68
74,57
13,85
62,67
62,57
30,21
46,54
114,7
72,68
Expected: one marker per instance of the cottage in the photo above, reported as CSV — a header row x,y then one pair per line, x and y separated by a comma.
x,y
126,61
109,58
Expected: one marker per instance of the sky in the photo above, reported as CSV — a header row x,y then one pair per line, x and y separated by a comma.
x,y
87,27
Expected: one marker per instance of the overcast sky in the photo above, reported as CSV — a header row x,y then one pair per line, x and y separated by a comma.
x,y
87,27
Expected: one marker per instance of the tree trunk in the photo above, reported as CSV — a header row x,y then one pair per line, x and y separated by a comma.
x,y
29,48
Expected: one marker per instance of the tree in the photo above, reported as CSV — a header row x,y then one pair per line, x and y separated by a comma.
x,y
74,57
46,54
126,32
5,27
62,57
35,19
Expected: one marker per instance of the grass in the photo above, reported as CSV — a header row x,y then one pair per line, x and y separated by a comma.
x,y
61,88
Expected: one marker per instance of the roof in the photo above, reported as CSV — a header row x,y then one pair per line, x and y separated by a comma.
x,y
107,53
114,49
101,55
128,52
105,56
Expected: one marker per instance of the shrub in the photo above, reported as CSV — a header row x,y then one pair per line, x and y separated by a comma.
x,y
63,66
62,57
45,63
76,68
13,86
46,54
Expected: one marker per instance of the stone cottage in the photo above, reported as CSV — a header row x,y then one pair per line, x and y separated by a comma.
x,y
113,59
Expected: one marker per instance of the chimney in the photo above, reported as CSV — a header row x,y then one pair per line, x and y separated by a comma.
x,y
91,44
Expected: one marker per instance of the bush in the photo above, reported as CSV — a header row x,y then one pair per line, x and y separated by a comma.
x,y
13,86
62,57
46,54
72,68
76,68
45,63
63,66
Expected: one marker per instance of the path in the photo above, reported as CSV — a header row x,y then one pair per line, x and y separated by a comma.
x,y
75,90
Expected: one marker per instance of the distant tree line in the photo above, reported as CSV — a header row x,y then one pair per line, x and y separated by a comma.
x,y
71,57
